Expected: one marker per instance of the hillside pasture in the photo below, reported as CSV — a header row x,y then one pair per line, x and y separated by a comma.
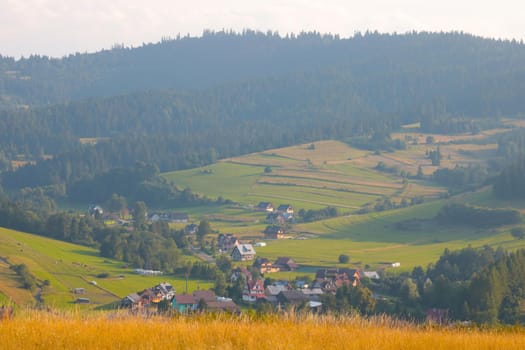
x,y
304,176
408,236
67,266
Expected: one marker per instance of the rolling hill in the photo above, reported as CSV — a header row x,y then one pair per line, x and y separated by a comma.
x,y
67,266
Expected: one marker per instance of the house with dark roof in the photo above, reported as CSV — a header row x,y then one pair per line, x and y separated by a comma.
x,y
191,229
331,279
265,266
206,299
206,295
292,297
273,232
225,242
285,208
265,206
179,217
222,306
243,252
285,263
131,301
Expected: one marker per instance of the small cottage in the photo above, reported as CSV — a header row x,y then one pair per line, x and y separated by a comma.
x,y
243,252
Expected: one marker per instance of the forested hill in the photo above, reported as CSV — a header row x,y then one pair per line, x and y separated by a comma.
x,y
242,93
218,58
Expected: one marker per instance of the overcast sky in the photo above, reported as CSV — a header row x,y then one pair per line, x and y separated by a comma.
x,y
60,27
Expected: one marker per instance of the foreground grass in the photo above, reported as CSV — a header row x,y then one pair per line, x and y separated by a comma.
x,y
46,331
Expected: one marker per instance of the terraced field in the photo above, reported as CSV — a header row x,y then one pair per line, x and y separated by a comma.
x,y
329,173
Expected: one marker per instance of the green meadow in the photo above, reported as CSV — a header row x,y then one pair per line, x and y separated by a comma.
x,y
327,173
331,173
377,239
67,266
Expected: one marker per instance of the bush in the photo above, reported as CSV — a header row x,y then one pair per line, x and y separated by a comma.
x,y
344,259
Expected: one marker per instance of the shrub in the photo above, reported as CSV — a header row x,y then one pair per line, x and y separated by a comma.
x,y
344,259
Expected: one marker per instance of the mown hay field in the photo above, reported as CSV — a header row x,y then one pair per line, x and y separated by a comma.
x,y
330,173
45,331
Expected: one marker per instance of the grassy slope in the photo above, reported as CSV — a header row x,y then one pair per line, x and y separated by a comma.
x,y
69,266
305,178
373,239
335,174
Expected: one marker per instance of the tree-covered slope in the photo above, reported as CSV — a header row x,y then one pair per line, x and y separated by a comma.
x,y
238,94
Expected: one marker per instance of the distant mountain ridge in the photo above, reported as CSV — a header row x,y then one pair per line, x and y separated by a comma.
x,y
218,58
186,102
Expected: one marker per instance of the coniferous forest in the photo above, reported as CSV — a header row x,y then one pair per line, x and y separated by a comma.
x,y
186,102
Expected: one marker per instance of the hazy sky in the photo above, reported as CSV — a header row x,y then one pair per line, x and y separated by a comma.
x,y
60,27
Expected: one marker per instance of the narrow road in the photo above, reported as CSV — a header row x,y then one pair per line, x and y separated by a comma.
x,y
203,256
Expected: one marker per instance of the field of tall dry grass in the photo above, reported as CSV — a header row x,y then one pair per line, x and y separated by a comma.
x,y
39,330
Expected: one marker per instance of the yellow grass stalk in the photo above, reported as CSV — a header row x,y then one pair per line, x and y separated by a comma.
x,y
39,330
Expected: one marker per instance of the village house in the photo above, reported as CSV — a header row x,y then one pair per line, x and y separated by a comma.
x,y
153,295
292,297
243,252
183,303
191,229
273,232
285,263
205,299
265,206
179,217
313,294
169,217
222,306
265,266
285,208
271,291
226,242
253,290
164,290
95,211
331,279
206,295
131,301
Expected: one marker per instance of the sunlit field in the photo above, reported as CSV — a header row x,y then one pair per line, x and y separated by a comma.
x,y
38,330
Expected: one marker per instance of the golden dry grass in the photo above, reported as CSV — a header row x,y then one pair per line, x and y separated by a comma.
x,y
37,330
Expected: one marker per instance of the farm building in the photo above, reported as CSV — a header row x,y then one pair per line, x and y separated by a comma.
x,y
265,206
273,232
243,252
